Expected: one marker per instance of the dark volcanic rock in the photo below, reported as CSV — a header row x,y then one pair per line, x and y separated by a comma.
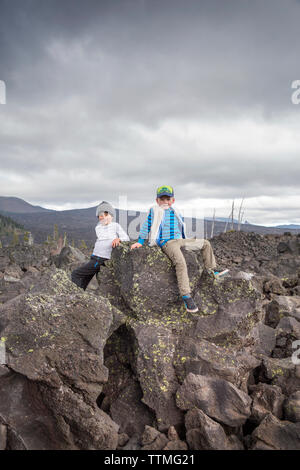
x,y
228,310
129,412
282,306
266,399
25,256
260,254
204,358
264,340
281,372
273,434
217,398
21,407
292,408
3,436
274,286
98,370
135,275
165,337
20,267
287,332
153,439
203,433
54,337
69,258
154,364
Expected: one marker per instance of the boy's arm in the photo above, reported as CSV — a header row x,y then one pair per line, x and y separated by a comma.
x,y
146,227
122,234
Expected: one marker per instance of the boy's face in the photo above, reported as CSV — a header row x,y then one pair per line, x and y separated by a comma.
x,y
165,201
105,218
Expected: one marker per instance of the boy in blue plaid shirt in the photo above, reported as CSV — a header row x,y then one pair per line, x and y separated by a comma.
x,y
165,228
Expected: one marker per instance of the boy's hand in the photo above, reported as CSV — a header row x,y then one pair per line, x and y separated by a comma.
x,y
115,242
136,245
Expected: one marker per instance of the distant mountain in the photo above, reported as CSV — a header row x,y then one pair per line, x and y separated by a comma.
x,y
290,226
18,206
79,224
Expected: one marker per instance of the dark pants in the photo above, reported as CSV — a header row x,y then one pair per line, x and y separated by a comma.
x,y
84,274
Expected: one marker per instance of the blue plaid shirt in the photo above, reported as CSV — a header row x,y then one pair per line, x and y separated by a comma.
x,y
170,228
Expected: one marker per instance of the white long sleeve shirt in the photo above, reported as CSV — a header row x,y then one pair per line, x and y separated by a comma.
x,y
105,236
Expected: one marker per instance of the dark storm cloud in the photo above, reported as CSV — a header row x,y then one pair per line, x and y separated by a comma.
x,y
141,59
99,94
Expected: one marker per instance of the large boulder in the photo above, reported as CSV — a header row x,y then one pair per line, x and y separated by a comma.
x,y
202,357
167,342
264,340
144,282
20,267
217,398
266,399
29,424
292,408
287,332
282,372
129,412
69,258
282,306
54,336
273,434
203,433
155,353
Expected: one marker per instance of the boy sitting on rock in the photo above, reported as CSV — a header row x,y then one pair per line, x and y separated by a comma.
x,y
109,235
165,227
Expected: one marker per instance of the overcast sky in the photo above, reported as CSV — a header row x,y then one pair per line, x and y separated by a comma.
x,y
114,98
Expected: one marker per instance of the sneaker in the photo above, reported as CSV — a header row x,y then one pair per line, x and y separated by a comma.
x,y
217,274
189,304
221,273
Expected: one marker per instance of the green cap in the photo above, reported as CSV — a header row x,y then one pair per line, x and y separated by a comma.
x,y
165,191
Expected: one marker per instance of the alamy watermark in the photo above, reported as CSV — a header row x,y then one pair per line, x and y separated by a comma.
x,y
296,354
132,221
2,92
296,94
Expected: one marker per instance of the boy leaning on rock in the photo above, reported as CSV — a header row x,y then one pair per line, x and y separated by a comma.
x,y
109,234
165,227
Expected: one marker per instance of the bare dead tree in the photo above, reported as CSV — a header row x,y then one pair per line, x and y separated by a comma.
x,y
240,215
232,215
226,225
213,225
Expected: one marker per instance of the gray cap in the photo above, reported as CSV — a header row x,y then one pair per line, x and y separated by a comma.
x,y
105,207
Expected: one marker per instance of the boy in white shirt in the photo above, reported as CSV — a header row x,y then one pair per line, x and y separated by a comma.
x,y
109,235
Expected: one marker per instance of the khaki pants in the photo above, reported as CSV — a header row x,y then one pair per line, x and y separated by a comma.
x,y
173,250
